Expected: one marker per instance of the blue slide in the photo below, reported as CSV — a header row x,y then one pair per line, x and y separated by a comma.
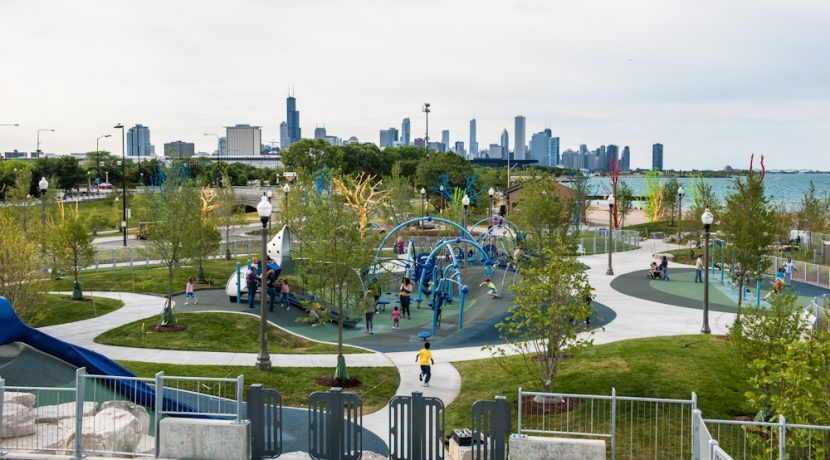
x,y
12,329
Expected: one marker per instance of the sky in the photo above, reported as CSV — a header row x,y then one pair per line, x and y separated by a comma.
x,y
712,80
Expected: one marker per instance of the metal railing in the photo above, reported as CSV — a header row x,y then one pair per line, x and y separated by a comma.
x,y
773,440
635,427
817,275
131,257
115,415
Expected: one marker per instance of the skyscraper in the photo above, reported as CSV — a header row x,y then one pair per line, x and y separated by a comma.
x,y
138,141
406,132
285,140
244,140
459,148
519,150
540,147
473,141
320,132
388,137
554,152
445,139
625,163
657,157
612,156
292,118
179,149
505,145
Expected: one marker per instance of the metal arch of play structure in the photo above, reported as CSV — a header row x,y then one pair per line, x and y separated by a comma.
x,y
463,231
516,234
486,261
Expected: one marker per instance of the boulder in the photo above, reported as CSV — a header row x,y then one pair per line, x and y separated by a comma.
x,y
54,414
146,445
668,256
138,412
46,436
15,397
110,430
18,420
657,235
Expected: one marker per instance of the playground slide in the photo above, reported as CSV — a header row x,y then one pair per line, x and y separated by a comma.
x,y
12,329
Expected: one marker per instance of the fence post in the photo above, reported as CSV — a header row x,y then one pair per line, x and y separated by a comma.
x,y
2,398
80,394
695,434
130,251
782,437
256,414
417,426
240,389
613,422
519,427
159,404
238,282
113,258
334,424
97,259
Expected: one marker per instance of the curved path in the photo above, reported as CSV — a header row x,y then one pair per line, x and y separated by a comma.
x,y
635,318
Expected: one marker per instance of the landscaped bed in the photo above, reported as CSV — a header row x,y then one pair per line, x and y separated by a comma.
x,y
226,332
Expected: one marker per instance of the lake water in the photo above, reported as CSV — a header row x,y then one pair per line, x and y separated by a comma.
x,y
786,189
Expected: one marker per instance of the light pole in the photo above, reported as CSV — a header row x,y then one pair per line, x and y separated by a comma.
x,y
89,181
9,124
441,189
707,218
263,360
269,194
38,137
680,214
426,110
98,157
43,185
285,189
466,202
492,193
218,147
423,201
610,270
123,182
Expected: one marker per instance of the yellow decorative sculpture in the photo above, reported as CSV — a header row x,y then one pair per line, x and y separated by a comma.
x,y
362,194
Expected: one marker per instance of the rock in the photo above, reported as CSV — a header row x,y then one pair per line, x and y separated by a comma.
x,y
14,397
110,430
18,420
669,257
657,235
138,412
54,414
46,436
146,445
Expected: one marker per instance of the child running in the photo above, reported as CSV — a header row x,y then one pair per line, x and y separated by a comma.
x,y
396,318
284,291
188,292
491,287
424,358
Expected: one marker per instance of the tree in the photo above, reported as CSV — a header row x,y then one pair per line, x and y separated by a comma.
x,y
207,237
21,279
173,215
543,214
545,324
670,200
70,243
399,196
624,202
335,258
703,198
228,212
363,194
430,169
813,213
654,205
746,222
17,191
583,190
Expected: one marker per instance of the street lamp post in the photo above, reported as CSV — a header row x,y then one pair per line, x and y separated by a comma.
x,y
269,194
263,360
707,218
43,185
285,189
38,137
123,182
423,201
98,157
492,193
426,110
680,214
610,270
441,189
466,202
218,147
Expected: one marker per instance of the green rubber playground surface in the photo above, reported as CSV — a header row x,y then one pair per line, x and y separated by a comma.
x,y
682,291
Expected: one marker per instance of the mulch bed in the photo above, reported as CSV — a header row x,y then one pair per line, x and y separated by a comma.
x,y
531,407
329,381
176,328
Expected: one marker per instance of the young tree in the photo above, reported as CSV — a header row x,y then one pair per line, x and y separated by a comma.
x,y
173,215
18,192
746,221
654,205
70,243
670,200
21,279
625,201
813,213
583,190
545,324
543,214
207,237
335,258
399,192
228,212
363,194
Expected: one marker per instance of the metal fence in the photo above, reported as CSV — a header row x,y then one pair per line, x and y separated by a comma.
x,y
130,256
634,427
817,275
780,440
108,415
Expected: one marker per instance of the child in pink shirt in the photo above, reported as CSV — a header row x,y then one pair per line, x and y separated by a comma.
x,y
396,318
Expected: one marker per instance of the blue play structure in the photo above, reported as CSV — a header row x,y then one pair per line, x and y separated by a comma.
x,y
12,329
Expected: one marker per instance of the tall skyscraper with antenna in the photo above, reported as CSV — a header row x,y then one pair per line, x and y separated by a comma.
x,y
473,141
292,120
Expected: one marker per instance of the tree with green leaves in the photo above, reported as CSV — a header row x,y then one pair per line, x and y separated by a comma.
x,y
172,212
430,169
582,199
543,214
21,279
670,200
228,212
747,220
624,202
399,197
335,259
654,203
546,322
814,212
70,243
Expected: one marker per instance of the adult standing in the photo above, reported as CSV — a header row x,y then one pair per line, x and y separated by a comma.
x,y
699,269
252,282
406,292
272,282
664,268
424,358
789,268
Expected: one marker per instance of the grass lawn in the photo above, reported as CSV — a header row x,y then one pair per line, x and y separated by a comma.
x,y
665,227
229,332
294,383
61,309
664,367
150,279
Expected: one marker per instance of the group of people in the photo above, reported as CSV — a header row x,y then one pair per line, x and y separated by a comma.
x,y
277,288
660,271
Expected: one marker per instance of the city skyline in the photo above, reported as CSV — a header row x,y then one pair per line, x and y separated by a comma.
x,y
750,83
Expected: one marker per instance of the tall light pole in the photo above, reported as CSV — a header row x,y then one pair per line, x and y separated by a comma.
x,y
423,201
466,202
492,193
610,270
707,218
43,185
441,190
124,182
218,147
9,124
285,189
263,360
38,137
426,110
679,214
98,157
269,194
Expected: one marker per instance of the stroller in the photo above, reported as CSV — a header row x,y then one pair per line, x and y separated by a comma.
x,y
654,272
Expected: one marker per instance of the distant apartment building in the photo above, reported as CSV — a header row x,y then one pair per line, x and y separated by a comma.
x,y
292,120
505,144
554,151
625,161
320,132
438,146
445,138
473,140
612,156
244,140
406,132
657,157
138,141
495,151
540,147
285,141
179,149
388,137
458,148
519,133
